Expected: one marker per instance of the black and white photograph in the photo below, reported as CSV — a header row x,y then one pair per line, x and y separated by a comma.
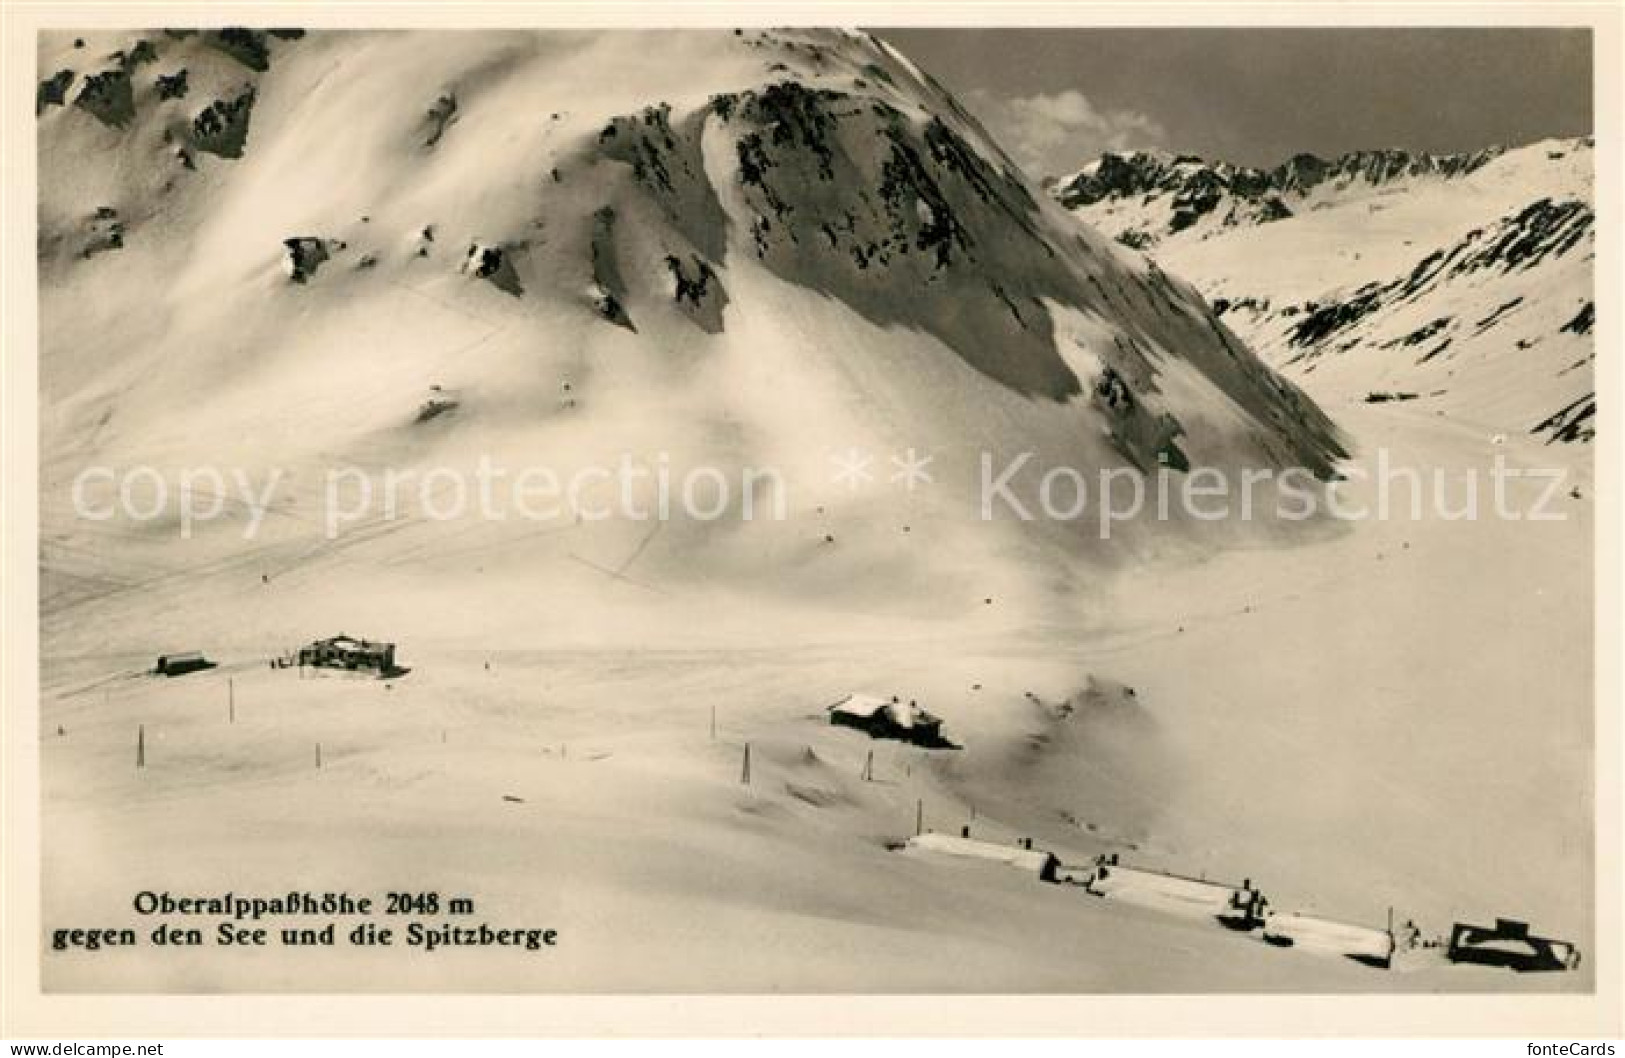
x,y
851,505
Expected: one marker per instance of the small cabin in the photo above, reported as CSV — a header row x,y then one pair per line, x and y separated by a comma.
x,y
349,653
881,718
1509,943
182,663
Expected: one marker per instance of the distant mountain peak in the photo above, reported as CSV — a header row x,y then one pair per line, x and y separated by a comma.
x,y
1154,194
1460,280
1124,173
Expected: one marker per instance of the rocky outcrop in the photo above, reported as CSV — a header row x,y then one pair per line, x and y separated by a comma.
x,y
608,289
221,128
697,291
1146,437
109,94
139,54
1518,242
108,97
104,231
494,264
248,46
1118,175
1543,229
436,118
1577,422
1190,189
1583,320
53,91
302,255
896,214
171,86
867,203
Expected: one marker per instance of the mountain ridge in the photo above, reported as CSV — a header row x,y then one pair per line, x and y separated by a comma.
x,y
1198,188
1462,281
811,248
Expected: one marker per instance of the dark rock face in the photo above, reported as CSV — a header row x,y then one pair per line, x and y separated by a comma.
x,y
1324,320
439,403
1301,172
105,231
221,128
53,91
1197,197
171,86
698,291
1426,331
437,117
140,53
494,264
1517,242
1147,438
1544,229
906,223
1575,422
848,187
302,255
609,289
1500,311
1274,209
1114,176
1583,320
1255,305
665,160
1198,187
247,46
108,97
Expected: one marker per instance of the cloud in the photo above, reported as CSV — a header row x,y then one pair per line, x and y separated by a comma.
x,y
1051,134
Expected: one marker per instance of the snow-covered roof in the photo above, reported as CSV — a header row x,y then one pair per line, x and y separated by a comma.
x,y
859,705
1313,933
903,714
1025,859
346,642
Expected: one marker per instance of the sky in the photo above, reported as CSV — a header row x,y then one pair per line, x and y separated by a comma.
x,y
1056,98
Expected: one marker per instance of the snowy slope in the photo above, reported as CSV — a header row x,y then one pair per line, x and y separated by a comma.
x,y
1463,279
408,250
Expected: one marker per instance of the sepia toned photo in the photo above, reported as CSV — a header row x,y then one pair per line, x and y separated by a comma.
x,y
890,510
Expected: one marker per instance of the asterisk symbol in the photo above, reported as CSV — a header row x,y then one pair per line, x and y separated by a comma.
x,y
911,469
852,468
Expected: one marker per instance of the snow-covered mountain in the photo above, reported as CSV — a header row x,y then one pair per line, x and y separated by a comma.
x,y
401,249
1463,280
1143,197
396,254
